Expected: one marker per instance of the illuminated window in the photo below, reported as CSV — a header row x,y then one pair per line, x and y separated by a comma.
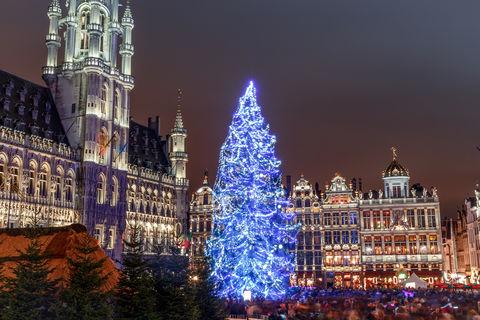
x,y
411,218
397,191
43,191
366,220
412,241
111,238
327,219
388,245
377,243
354,237
307,203
400,245
386,219
433,244
432,222
317,238
328,237
377,224
336,219
101,189
421,218
336,237
353,218
344,218
298,203
345,237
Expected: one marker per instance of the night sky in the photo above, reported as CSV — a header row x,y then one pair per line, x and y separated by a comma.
x,y
340,82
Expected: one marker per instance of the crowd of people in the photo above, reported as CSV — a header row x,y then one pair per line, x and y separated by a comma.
x,y
386,304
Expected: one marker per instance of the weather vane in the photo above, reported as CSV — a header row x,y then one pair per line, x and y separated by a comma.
x,y
394,151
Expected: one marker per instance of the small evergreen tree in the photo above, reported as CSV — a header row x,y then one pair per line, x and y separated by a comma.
x,y
83,297
135,296
174,300
208,304
30,294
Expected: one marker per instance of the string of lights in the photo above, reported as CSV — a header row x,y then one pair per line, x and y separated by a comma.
x,y
252,231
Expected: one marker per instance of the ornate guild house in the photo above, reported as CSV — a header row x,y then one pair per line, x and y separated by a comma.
x,y
70,152
352,239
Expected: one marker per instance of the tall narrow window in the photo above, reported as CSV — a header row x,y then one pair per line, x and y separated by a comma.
x,y
114,190
68,189
43,183
101,190
104,99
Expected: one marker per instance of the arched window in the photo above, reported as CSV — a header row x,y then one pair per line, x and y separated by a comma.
x,y
307,203
3,165
84,38
102,22
42,182
117,104
58,184
114,190
69,188
103,98
154,209
298,203
32,173
205,199
101,189
147,209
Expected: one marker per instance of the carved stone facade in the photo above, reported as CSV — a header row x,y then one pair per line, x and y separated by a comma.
x,y
71,152
371,239
201,209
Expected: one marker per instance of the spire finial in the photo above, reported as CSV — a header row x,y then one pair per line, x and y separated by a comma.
x,y
394,151
205,178
179,119
179,98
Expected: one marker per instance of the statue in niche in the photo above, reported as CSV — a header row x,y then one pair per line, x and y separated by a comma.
x,y
399,220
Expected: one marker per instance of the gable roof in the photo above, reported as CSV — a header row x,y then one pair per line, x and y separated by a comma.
x,y
147,149
28,107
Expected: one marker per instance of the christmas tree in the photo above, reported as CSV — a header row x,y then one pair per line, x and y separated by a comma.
x,y
251,232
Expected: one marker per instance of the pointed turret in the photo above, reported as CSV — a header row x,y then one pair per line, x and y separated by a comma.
x,y
127,49
178,156
53,40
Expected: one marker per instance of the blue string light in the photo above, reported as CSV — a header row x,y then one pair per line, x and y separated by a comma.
x,y
252,232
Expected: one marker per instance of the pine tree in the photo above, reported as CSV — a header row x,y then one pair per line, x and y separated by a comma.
x,y
135,296
207,304
84,297
175,300
251,231
30,294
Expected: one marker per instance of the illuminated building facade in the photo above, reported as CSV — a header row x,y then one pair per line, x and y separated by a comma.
x,y
400,231
200,216
351,239
304,201
473,234
341,228
69,152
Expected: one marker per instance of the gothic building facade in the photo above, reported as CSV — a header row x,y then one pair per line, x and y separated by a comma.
x,y
69,152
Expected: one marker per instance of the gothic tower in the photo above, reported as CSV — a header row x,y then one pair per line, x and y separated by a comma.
x,y
179,159
92,96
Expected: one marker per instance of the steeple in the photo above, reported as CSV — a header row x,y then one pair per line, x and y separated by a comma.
x,y
178,156
178,128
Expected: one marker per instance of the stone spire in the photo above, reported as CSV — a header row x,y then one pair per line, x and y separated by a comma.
x,y
179,119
